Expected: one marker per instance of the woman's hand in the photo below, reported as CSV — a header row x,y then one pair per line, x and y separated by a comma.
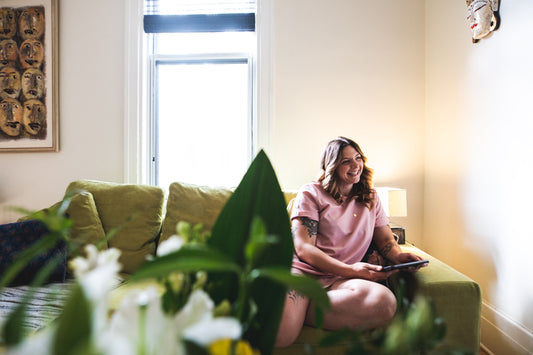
x,y
408,257
370,272
405,258
389,248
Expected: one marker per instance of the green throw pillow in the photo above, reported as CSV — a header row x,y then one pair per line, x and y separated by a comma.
x,y
134,212
193,204
44,210
86,226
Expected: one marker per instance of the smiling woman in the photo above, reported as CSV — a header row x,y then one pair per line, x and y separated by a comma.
x,y
335,220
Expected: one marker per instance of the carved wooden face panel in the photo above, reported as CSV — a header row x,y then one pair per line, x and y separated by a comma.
x,y
34,116
9,53
11,112
9,83
33,84
31,54
8,24
31,22
23,70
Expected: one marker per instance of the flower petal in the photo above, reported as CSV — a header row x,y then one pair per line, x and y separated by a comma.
x,y
209,330
172,244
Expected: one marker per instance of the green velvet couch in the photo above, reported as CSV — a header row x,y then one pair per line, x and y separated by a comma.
x,y
141,216
456,297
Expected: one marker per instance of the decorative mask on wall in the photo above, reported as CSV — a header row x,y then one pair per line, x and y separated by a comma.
x,y
483,17
34,116
11,112
8,22
33,84
10,83
9,53
31,22
31,54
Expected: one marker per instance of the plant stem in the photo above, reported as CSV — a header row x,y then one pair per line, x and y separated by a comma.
x,y
242,298
141,347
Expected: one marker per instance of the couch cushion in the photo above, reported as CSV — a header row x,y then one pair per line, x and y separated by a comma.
x,y
197,204
289,195
135,209
86,225
193,204
16,237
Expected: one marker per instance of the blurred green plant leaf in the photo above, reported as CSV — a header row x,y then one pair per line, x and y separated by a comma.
x,y
13,328
258,242
191,257
74,327
258,195
45,243
58,227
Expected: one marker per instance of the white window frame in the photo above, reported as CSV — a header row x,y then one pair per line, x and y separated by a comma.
x,y
136,151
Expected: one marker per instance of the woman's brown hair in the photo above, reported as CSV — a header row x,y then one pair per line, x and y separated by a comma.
x,y
331,159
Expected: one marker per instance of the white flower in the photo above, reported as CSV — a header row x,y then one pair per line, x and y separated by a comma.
x,y
172,244
140,322
210,330
139,309
98,273
38,343
200,326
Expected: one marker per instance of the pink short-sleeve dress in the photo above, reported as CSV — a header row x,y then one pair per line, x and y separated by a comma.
x,y
344,230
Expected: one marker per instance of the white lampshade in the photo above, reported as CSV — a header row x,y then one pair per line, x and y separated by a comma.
x,y
394,201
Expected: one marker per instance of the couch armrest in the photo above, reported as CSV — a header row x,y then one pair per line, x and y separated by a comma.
x,y
457,299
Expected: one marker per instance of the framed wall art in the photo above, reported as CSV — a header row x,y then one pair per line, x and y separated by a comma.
x,y
29,76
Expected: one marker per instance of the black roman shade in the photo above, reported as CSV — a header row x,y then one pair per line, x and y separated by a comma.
x,y
168,16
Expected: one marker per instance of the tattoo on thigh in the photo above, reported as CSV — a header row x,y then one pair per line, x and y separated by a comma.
x,y
386,249
312,226
293,295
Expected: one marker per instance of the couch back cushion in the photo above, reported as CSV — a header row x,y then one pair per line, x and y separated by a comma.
x,y
133,212
197,204
193,204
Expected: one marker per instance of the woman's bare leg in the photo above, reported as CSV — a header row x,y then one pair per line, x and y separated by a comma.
x,y
292,319
357,304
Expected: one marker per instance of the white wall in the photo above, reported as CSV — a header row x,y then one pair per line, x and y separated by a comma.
x,y
91,66
352,68
478,166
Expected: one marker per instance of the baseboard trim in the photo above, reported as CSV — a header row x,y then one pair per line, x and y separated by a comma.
x,y
502,335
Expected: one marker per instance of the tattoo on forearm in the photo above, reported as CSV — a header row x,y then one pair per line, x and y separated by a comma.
x,y
293,295
312,226
384,250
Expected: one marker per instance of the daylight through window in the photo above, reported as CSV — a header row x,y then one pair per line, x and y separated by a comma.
x,y
201,72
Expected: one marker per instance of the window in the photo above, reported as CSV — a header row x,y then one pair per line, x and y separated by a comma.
x,y
200,121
